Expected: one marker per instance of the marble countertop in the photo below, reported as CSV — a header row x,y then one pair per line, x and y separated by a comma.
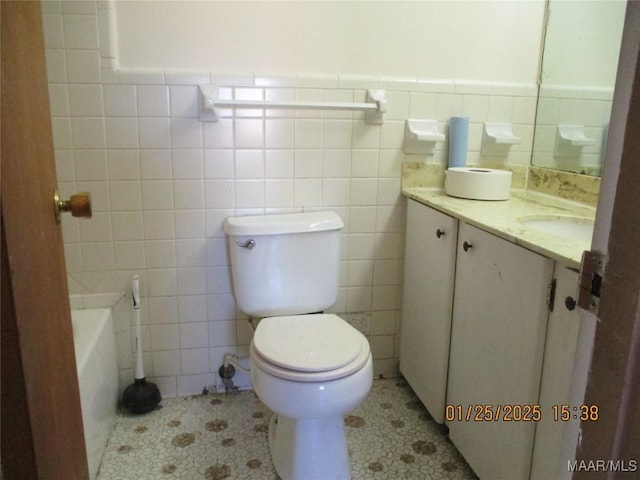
x,y
502,219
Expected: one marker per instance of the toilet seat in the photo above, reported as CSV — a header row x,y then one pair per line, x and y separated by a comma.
x,y
309,348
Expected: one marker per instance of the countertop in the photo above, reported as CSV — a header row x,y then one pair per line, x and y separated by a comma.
x,y
501,218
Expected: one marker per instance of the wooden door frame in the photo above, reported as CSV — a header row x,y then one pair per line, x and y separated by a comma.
x,y
613,384
42,430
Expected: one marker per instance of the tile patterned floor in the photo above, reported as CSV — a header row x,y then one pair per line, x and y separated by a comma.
x,y
218,436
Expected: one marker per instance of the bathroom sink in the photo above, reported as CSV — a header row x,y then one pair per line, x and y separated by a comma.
x,y
576,228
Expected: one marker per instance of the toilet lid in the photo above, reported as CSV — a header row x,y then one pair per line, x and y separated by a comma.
x,y
307,343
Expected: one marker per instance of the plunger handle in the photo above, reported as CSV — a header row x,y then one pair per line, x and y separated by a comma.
x,y
135,290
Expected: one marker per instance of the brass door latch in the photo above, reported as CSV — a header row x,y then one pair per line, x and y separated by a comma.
x,y
591,276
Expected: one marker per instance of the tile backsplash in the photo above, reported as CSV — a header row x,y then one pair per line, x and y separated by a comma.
x,y
163,182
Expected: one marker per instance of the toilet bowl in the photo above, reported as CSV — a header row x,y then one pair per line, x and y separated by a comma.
x,y
310,370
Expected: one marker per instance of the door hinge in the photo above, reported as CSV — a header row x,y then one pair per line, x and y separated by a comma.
x,y
591,276
551,299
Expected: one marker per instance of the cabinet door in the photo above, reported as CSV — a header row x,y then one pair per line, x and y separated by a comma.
x,y
497,342
557,371
427,303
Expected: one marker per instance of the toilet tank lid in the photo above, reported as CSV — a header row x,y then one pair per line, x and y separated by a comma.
x,y
283,223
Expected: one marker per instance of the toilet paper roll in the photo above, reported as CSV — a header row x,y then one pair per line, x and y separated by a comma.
x,y
458,137
477,183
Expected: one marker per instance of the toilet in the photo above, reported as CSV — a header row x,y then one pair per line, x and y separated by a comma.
x,y
309,368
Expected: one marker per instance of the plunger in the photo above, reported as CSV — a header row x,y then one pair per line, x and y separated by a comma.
x,y
141,396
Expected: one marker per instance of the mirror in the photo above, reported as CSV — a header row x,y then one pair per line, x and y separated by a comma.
x,y
579,64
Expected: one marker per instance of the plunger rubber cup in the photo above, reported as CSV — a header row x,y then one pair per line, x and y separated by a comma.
x,y
141,396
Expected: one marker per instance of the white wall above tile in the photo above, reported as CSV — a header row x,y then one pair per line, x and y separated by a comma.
x,y
438,40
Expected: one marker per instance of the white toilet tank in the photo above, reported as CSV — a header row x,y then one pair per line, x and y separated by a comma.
x,y
285,264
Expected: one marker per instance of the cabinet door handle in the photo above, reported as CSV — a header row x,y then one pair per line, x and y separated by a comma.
x,y
570,303
439,233
466,246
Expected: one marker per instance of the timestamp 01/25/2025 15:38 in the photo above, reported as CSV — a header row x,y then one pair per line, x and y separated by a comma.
x,y
519,413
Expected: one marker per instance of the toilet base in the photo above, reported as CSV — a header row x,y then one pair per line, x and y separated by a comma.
x,y
310,449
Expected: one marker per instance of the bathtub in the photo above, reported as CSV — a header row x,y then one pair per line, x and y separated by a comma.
x,y
94,342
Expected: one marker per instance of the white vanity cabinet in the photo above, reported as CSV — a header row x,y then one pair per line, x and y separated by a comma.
x,y
481,347
427,301
559,359
497,345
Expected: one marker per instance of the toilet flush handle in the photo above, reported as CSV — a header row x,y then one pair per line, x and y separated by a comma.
x,y
248,244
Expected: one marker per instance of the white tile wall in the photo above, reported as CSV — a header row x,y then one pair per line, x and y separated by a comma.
x,y
163,183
